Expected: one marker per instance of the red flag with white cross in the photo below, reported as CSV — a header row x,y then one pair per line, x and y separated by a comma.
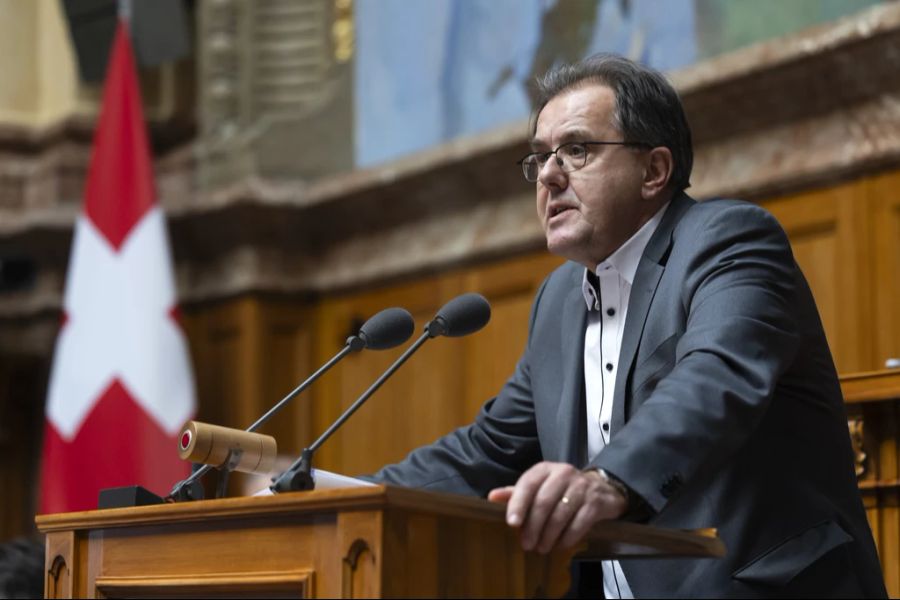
x,y
121,384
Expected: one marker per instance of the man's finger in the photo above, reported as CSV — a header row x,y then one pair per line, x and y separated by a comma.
x,y
544,503
560,517
500,495
522,498
601,501
578,527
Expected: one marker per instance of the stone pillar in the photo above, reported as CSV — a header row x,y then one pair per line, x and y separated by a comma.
x,y
275,89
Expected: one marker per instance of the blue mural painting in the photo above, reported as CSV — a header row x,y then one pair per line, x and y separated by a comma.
x,y
432,70
428,71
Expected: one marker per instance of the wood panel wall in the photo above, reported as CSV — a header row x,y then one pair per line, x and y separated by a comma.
x,y
827,229
442,386
846,238
884,195
247,354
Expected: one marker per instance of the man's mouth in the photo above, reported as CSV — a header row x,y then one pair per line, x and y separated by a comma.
x,y
558,209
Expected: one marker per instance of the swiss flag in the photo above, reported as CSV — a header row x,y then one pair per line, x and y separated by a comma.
x,y
121,384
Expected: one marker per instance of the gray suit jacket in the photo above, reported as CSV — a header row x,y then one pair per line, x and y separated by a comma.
x,y
727,413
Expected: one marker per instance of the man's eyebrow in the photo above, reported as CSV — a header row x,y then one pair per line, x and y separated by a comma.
x,y
573,135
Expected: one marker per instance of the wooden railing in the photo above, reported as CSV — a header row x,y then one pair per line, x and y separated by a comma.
x,y
873,413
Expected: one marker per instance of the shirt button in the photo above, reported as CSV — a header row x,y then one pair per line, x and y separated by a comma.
x,y
609,366
606,427
610,311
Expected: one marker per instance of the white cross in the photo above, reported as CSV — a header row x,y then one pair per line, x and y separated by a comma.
x,y
119,325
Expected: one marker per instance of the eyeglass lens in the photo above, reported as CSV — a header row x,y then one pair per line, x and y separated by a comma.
x,y
569,157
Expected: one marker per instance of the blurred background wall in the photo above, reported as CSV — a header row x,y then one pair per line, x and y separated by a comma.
x,y
319,160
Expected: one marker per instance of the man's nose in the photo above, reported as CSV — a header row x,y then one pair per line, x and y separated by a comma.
x,y
551,174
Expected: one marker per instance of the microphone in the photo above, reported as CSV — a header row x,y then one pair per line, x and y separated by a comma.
x,y
461,316
386,329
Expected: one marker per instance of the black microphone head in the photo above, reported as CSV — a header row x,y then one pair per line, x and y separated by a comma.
x,y
387,329
461,316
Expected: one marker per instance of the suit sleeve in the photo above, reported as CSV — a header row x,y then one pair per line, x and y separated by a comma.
x,y
740,336
493,451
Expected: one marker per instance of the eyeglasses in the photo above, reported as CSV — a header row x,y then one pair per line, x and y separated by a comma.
x,y
570,157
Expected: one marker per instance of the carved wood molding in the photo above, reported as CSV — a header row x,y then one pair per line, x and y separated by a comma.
x,y
287,584
60,560
358,550
58,578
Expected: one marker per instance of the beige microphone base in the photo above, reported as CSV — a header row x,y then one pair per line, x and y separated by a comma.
x,y
211,444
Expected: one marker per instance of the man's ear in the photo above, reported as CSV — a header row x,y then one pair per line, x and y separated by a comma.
x,y
658,172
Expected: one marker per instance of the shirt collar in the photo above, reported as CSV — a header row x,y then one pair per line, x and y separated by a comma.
x,y
626,258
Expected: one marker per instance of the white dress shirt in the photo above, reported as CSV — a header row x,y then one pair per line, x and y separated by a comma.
x,y
607,310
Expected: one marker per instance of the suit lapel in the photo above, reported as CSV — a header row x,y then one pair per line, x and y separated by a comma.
x,y
571,404
646,280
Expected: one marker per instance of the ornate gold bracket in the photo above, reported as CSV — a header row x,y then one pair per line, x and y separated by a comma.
x,y
860,457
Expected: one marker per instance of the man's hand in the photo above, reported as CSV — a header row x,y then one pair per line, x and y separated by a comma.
x,y
555,505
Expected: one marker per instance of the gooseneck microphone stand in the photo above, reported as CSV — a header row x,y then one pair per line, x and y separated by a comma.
x,y
191,489
298,477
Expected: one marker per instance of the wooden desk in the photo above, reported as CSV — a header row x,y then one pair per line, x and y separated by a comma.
x,y
872,386
360,542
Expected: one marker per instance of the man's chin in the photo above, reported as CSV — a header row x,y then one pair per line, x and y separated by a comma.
x,y
564,248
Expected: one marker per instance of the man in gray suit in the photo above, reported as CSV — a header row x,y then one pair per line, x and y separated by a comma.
x,y
676,370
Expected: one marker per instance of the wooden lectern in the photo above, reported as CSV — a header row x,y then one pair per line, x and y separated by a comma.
x,y
357,542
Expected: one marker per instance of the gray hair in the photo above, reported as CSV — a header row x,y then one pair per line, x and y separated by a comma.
x,y
648,109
